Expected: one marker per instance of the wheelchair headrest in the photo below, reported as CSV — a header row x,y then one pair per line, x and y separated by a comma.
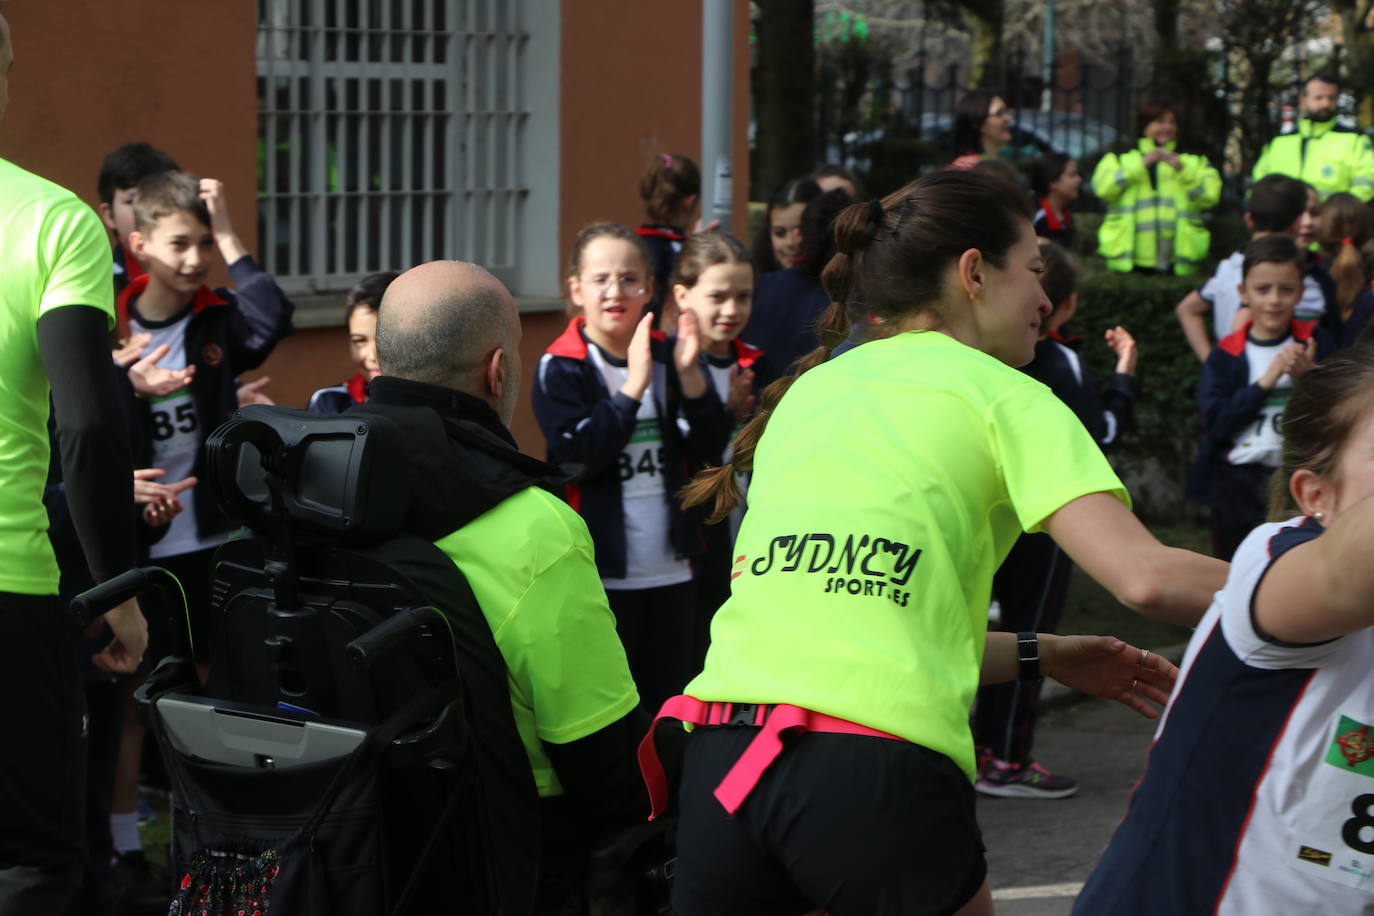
x,y
338,478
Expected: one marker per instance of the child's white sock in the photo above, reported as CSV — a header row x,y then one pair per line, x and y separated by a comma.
x,y
124,832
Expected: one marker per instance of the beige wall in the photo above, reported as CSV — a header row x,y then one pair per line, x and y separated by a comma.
x,y
88,78
90,75
632,89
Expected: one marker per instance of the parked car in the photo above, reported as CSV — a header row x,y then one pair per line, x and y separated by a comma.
x,y
1032,134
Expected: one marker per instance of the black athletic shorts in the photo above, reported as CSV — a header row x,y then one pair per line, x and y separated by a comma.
x,y
846,823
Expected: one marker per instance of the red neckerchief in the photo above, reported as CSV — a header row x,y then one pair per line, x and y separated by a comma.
x,y
357,388
573,345
203,299
1234,343
1051,221
662,232
745,355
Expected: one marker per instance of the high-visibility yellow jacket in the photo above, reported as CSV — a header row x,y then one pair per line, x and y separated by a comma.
x,y
1155,221
1328,157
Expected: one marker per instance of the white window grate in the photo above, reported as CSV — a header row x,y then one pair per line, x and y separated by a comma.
x,y
390,133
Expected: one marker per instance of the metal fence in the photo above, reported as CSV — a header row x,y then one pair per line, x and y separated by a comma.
x,y
389,134
1086,109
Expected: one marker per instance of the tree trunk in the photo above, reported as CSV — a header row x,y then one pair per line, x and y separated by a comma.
x,y
1166,25
1256,127
785,143
1359,53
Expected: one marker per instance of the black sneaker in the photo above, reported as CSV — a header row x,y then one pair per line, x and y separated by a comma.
x,y
1030,780
138,887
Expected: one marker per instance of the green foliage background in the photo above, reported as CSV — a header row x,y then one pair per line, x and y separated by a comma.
x,y
1155,452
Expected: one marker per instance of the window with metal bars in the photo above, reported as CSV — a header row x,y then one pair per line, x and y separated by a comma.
x,y
390,133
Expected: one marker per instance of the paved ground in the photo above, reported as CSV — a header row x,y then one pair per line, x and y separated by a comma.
x,y
1040,851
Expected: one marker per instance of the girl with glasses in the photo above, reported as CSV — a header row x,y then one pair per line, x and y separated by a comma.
x,y
634,409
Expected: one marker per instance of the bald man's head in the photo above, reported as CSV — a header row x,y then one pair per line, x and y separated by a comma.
x,y
452,324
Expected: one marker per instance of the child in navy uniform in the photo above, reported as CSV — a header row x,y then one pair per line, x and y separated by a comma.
x,y
714,280
120,174
1245,384
788,304
180,222
1277,204
360,317
1032,583
671,191
1254,797
1344,226
636,412
1055,180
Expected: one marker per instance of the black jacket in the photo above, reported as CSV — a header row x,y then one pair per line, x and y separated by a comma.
x,y
588,425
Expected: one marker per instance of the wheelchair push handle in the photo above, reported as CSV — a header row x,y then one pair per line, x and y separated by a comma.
x,y
364,651
90,604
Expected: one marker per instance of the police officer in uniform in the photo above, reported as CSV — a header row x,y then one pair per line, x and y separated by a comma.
x,y
1327,156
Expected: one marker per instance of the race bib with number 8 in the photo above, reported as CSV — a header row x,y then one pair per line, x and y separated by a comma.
x,y
1334,833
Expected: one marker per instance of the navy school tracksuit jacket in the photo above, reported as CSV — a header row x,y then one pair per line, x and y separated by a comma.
x,y
230,331
586,424
1105,413
338,398
1229,402
746,357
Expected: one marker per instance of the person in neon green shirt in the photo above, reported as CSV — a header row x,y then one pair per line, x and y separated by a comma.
x,y
1155,199
1329,157
56,310
894,480
448,342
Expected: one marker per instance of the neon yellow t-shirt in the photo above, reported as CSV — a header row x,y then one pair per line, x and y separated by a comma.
x,y
529,562
888,487
53,252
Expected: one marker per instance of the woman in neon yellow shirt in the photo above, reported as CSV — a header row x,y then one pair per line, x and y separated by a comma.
x,y
889,485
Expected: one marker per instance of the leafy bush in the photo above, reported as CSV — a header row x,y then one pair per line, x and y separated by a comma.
x,y
1154,454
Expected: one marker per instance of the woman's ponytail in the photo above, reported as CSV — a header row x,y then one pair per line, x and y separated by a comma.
x,y
1347,272
1343,225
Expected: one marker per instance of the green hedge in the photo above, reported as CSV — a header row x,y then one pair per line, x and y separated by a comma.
x,y
1154,454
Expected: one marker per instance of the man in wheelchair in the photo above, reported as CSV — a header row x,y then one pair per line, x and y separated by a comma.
x,y
448,341
484,742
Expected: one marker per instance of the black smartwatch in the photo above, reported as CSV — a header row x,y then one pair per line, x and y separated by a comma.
x,y
1028,656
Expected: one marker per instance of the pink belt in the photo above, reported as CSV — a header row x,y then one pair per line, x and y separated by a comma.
x,y
757,757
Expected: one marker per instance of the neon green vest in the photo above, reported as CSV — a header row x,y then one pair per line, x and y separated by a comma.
x,y
1158,227
1325,156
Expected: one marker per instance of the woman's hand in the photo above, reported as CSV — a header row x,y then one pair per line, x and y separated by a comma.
x,y
1106,667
